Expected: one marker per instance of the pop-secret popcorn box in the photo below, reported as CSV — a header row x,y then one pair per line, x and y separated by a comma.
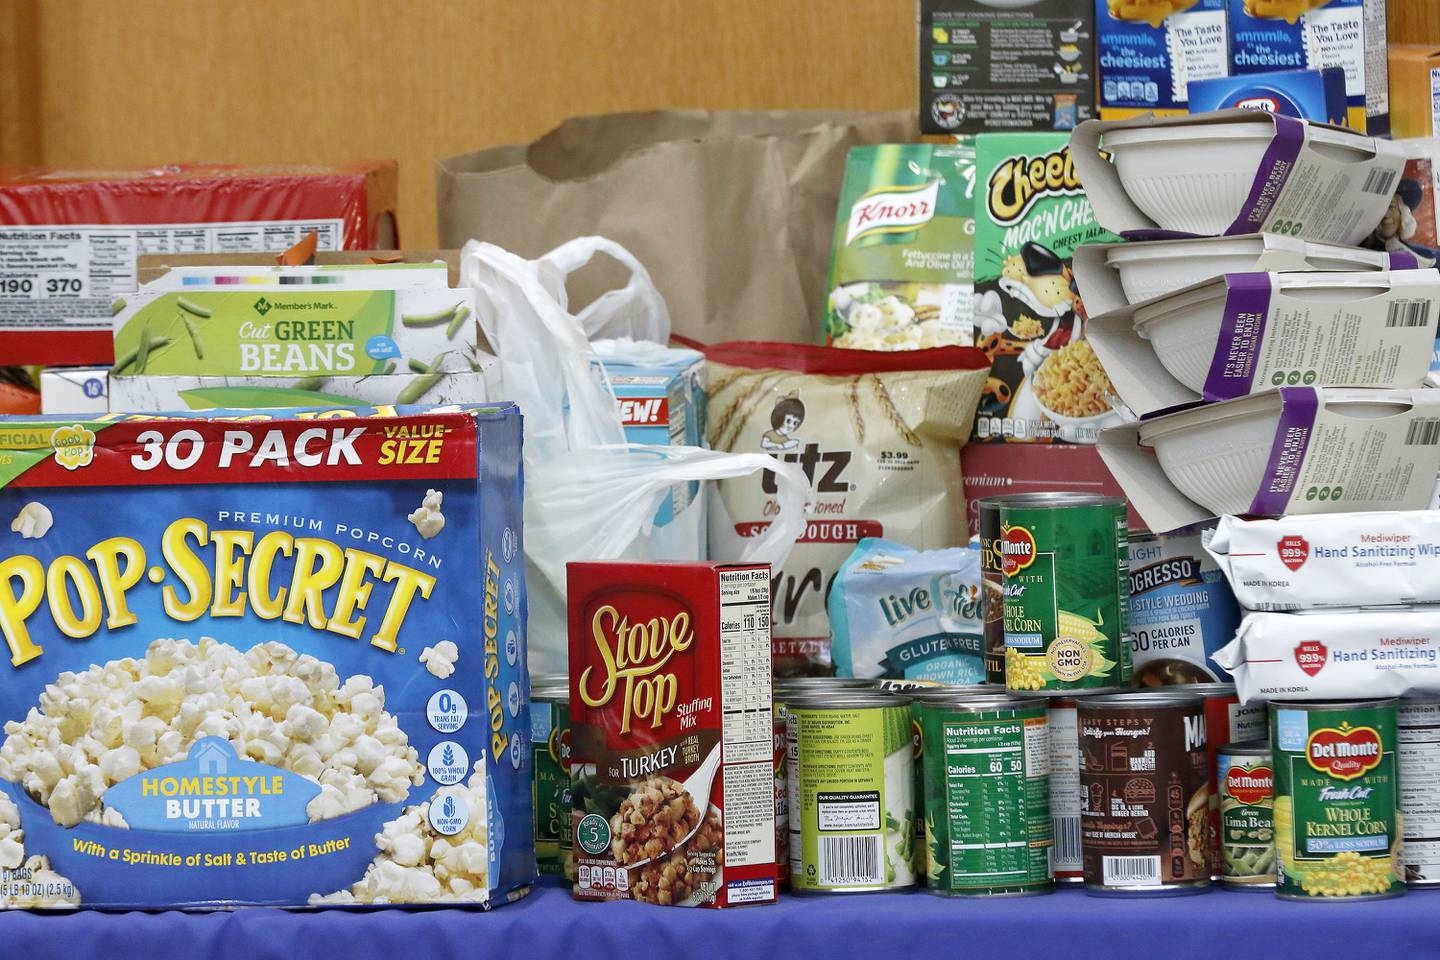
x,y
275,659
671,733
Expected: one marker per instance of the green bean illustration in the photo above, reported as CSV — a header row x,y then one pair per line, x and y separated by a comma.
x,y
430,319
128,358
419,366
308,383
462,313
389,367
190,306
194,332
142,351
116,306
418,387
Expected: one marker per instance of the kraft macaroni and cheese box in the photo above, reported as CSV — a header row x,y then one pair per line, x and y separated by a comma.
x,y
263,659
1149,51
1270,35
662,402
1308,94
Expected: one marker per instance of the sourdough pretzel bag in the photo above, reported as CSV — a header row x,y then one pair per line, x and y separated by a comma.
x,y
878,436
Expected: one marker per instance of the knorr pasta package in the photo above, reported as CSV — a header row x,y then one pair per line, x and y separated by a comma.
x,y
1030,214
903,267
263,660
877,434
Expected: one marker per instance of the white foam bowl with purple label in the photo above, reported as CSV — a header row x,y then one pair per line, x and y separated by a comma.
x,y
1196,179
1217,455
1155,268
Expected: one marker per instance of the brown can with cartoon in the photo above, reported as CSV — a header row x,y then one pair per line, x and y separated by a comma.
x,y
1145,780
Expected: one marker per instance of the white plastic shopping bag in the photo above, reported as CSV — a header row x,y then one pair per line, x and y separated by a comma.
x,y
589,495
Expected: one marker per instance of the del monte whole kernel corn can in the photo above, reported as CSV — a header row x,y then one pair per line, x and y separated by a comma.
x,y
1337,800
1067,587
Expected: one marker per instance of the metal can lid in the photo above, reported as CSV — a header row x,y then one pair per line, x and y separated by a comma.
x,y
792,685
968,691
1046,501
976,702
1143,698
1247,748
846,700
1207,690
1327,705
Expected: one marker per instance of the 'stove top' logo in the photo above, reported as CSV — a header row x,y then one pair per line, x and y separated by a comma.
x,y
1346,752
633,657
74,446
262,306
1017,550
892,210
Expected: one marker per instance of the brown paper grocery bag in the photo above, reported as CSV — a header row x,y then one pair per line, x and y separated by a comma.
x,y
732,212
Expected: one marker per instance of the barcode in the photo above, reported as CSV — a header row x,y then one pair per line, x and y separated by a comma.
x,y
1408,313
1379,181
849,861
1131,870
1423,432
1067,843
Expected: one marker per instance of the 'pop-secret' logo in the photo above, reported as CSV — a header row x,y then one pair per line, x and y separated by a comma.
x,y
1250,787
1294,551
1344,753
1017,550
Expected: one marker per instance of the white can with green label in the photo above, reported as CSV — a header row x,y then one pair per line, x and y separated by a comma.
x,y
851,762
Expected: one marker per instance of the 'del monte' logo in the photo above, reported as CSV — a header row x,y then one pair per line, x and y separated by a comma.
x,y
1250,787
892,210
262,306
1019,182
74,446
1017,550
559,746
1344,753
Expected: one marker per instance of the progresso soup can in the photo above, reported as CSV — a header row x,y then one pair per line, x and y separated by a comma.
x,y
1246,778
1066,590
1418,732
851,787
1337,800
986,761
1145,776
550,752
1181,609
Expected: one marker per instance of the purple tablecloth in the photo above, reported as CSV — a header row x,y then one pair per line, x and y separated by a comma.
x,y
1067,926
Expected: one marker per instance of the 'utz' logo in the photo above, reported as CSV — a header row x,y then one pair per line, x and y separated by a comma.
x,y
825,470
1344,753
892,210
1020,181
633,656
1250,787
1017,550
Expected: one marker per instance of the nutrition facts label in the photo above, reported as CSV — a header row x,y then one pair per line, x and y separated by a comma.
x,y
745,665
997,794
1418,734
67,276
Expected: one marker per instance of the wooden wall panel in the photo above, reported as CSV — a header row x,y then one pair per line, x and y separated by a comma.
x,y
105,82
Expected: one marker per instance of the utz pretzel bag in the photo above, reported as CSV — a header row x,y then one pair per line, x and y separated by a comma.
x,y
878,437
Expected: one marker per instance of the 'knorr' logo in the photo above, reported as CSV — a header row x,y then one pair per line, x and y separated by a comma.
x,y
1019,182
892,210
1250,787
1017,550
1344,753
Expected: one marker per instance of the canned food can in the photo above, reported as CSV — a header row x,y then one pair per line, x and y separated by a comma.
x,y
1337,802
1066,796
1181,608
986,763
550,756
1145,777
1066,592
1246,780
1418,736
851,784
1227,720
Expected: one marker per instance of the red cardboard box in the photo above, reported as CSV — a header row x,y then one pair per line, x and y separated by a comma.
x,y
996,469
671,733
69,239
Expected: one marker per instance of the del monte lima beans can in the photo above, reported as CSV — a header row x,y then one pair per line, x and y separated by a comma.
x,y
1067,588
987,794
1337,797
1246,782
